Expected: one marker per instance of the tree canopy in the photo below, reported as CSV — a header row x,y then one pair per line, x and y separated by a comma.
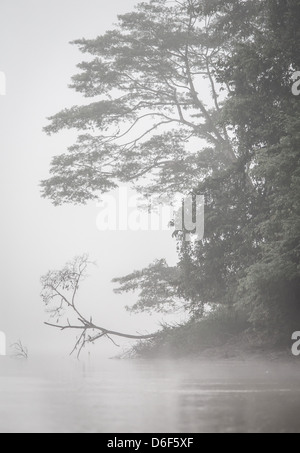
x,y
195,97
249,258
155,115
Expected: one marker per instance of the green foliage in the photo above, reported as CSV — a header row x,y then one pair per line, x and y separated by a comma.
x,y
194,337
148,125
146,117
157,286
265,116
250,255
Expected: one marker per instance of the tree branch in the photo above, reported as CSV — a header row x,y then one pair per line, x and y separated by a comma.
x,y
56,283
104,332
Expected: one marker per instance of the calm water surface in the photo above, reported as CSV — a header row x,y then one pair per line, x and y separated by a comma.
x,y
135,397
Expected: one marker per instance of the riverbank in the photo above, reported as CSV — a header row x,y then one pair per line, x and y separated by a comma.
x,y
217,338
232,350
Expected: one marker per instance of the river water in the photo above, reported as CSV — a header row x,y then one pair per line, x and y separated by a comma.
x,y
55,396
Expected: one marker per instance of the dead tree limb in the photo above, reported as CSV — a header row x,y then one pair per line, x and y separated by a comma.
x,y
104,331
60,289
19,351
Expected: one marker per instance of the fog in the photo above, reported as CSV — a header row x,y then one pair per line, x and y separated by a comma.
x,y
232,368
38,62
64,396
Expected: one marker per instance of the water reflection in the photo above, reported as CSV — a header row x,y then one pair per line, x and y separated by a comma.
x,y
156,397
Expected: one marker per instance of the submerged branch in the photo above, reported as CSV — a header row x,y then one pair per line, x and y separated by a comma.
x,y
19,351
104,332
85,339
61,284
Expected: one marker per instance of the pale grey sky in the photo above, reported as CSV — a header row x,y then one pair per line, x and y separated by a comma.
x,y
38,62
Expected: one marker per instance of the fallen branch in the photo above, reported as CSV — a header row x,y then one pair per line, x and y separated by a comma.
x,y
60,289
19,351
104,331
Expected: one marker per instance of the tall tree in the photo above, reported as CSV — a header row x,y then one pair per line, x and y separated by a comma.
x,y
150,124
250,255
155,116
265,114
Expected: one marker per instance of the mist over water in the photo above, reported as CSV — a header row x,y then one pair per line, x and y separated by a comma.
x,y
111,396
198,96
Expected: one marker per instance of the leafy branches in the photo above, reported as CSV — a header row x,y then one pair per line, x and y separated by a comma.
x,y
157,286
145,79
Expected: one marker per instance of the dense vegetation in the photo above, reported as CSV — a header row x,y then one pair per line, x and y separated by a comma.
x,y
239,146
